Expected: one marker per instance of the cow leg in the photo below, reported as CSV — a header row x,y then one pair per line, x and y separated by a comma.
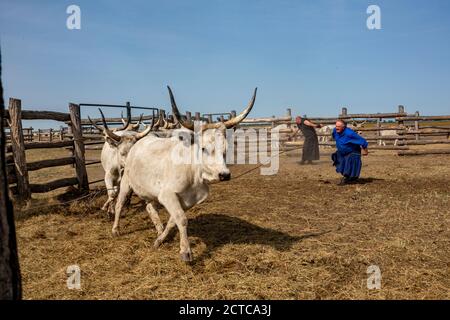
x,y
171,202
111,189
153,213
124,192
162,236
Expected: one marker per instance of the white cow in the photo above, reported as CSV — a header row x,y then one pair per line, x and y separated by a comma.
x,y
327,129
386,133
114,153
357,125
153,175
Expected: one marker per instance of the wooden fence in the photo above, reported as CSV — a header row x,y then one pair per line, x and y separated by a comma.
x,y
81,135
17,165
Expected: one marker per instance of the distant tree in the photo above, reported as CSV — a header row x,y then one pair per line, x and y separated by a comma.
x,y
10,281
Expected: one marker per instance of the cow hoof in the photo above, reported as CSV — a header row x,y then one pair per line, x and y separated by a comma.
x,y
157,243
186,256
115,232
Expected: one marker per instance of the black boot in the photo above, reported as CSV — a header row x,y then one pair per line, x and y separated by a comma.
x,y
343,182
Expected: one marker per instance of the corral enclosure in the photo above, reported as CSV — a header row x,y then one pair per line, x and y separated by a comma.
x,y
293,235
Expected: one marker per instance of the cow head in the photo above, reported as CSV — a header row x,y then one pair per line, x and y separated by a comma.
x,y
123,140
213,141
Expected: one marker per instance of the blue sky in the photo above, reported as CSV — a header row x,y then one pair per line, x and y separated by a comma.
x,y
313,56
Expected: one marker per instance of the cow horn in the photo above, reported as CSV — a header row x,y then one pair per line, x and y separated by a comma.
x,y
95,125
136,125
165,124
176,112
125,123
146,131
106,131
158,122
234,121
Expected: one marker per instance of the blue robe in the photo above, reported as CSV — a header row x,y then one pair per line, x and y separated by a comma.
x,y
347,158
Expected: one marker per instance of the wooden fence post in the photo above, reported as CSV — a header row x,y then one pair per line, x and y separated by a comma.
x,y
10,280
128,104
401,109
18,146
197,116
379,126
289,114
416,126
50,134
78,143
188,116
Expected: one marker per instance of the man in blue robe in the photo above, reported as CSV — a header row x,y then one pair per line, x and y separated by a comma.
x,y
347,158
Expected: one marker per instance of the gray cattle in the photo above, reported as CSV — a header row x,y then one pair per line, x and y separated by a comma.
x,y
114,152
153,175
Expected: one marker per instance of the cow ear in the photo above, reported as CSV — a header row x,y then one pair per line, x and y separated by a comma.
x,y
113,143
187,137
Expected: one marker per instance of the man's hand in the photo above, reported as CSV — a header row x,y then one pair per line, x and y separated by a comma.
x,y
365,151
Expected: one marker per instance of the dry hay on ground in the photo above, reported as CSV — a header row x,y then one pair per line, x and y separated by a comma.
x,y
295,235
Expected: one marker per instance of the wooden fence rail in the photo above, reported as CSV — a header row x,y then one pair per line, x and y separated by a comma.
x,y
17,164
80,135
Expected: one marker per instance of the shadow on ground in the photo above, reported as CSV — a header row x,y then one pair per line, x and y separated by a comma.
x,y
216,230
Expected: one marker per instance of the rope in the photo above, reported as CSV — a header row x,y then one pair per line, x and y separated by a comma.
x,y
259,166
98,192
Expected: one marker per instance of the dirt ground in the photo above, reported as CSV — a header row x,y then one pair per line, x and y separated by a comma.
x,y
294,235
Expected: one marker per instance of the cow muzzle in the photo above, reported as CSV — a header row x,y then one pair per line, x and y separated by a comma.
x,y
224,176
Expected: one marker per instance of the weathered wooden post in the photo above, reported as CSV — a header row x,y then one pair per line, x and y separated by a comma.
x,y
18,146
50,134
401,109
416,126
128,110
78,143
188,116
39,135
379,126
197,116
289,114
10,280
61,133
31,134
